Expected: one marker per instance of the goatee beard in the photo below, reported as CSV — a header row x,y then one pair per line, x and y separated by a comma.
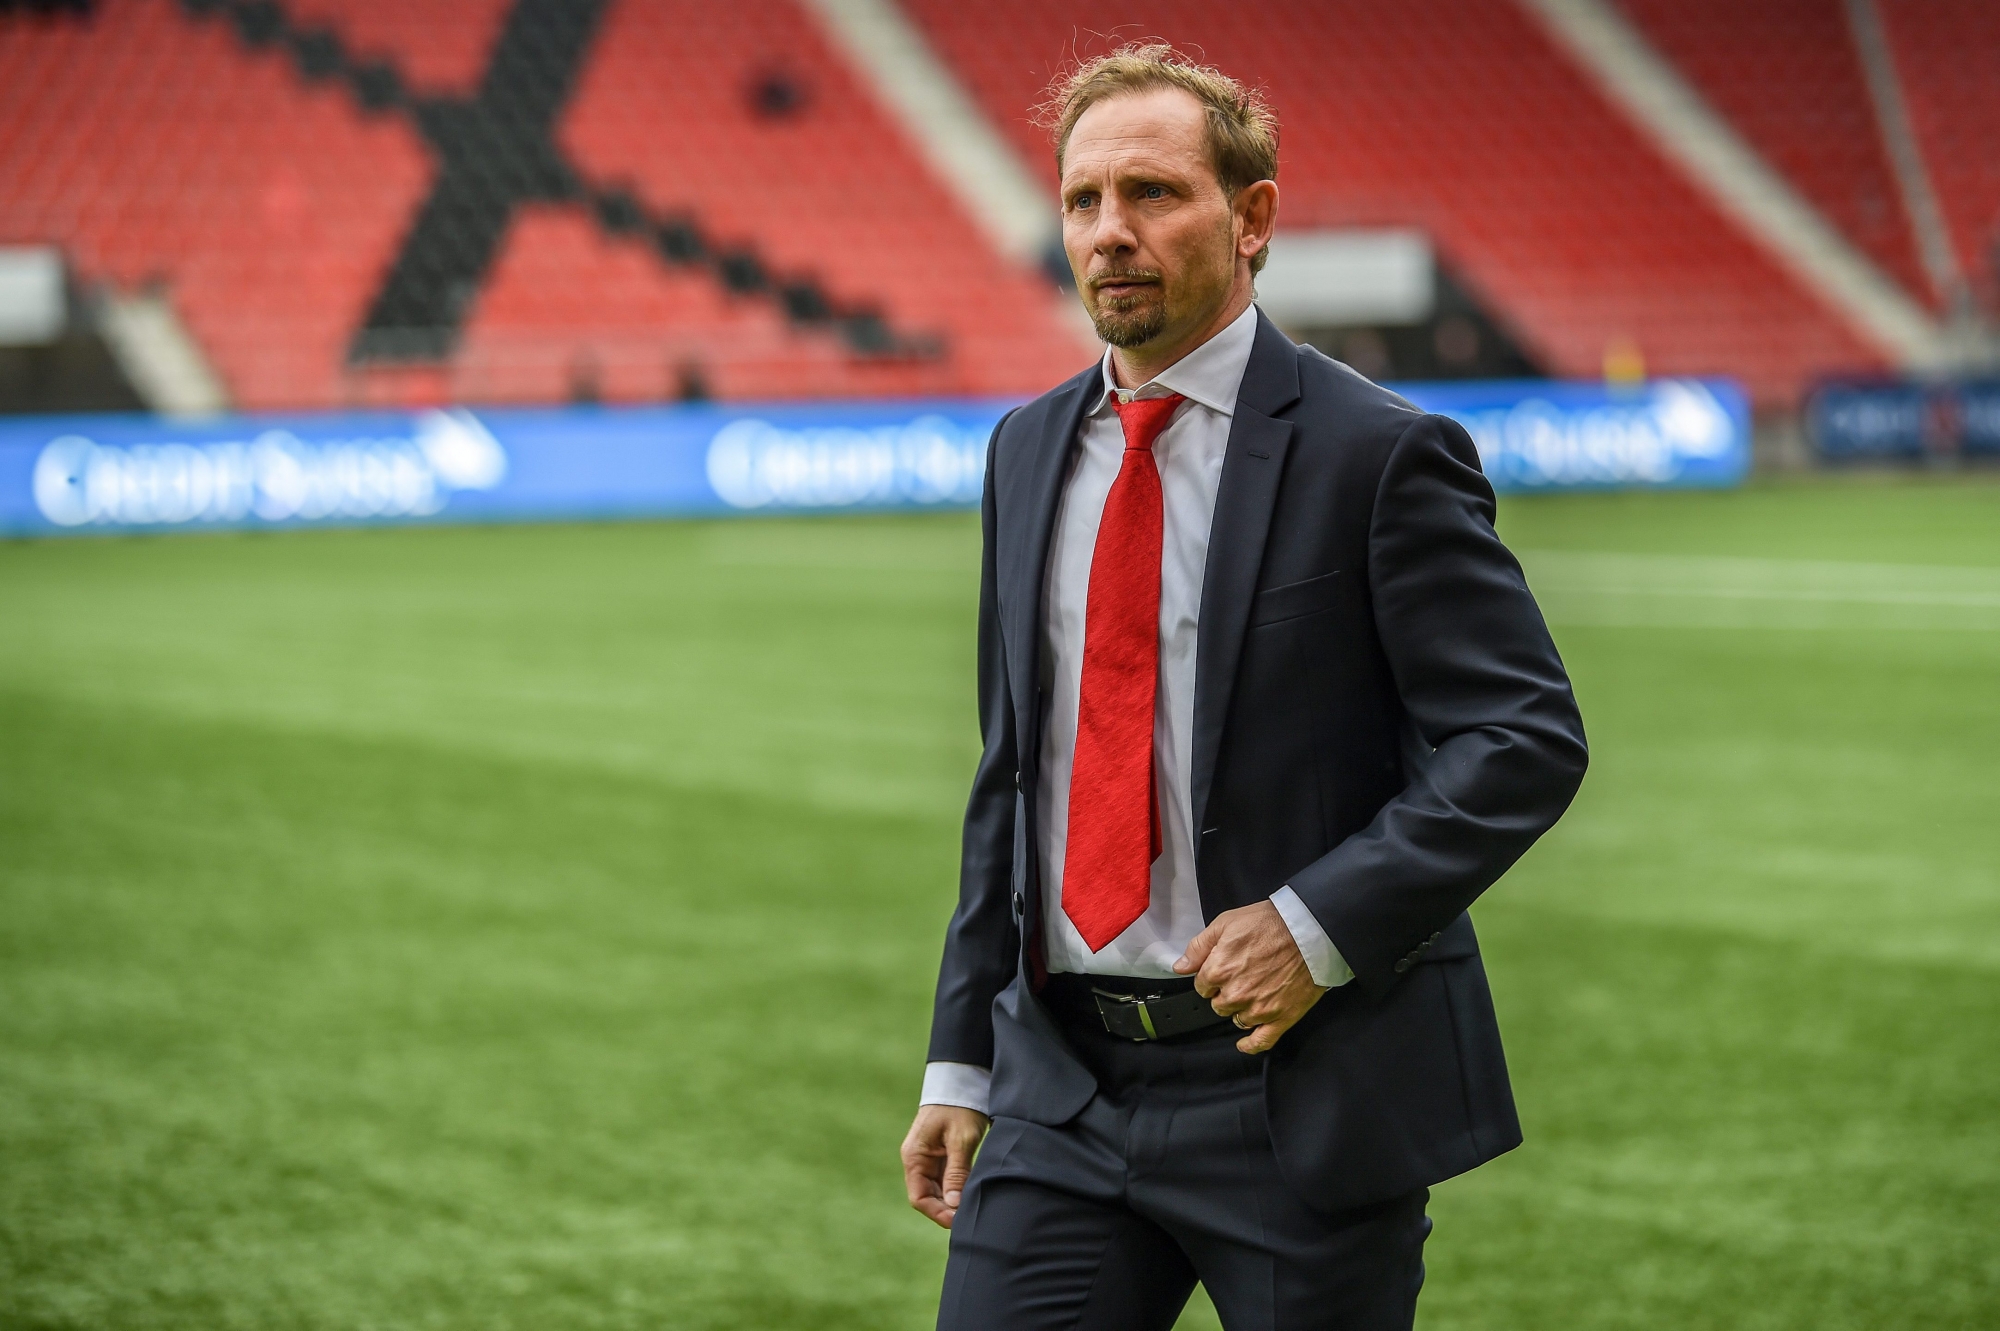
x,y
1130,328
1131,320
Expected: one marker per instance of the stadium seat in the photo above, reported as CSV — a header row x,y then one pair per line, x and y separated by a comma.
x,y
249,159
154,152
440,46
204,146
1461,117
569,312
676,104
1787,76
1948,52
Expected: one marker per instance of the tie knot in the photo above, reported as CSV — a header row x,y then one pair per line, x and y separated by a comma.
x,y
1144,418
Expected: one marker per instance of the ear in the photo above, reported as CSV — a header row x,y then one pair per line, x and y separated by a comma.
x,y
1256,209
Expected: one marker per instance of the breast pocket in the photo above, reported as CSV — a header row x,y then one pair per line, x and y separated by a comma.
x,y
1295,600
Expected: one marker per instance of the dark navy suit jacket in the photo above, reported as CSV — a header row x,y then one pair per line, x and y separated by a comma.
x,y
1380,720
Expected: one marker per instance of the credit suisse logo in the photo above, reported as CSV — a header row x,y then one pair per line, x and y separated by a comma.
x,y
754,463
274,476
1648,436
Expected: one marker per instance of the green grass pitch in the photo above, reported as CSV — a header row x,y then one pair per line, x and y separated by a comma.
x,y
533,927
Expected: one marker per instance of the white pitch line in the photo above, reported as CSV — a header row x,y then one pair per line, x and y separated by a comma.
x,y
1588,584
1800,594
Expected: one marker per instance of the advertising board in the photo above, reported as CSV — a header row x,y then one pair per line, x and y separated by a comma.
x,y
1903,420
122,473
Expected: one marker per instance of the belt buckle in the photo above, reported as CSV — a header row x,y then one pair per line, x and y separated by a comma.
x,y
1130,1001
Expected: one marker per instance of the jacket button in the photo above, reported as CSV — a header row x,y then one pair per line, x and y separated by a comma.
x,y
1403,964
1020,782
1020,905
1434,937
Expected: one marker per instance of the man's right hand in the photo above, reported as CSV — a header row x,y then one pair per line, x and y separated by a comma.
x,y
937,1155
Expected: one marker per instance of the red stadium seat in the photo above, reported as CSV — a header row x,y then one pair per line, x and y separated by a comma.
x,y
154,145
1787,75
440,45
834,190
567,306
1948,52
152,150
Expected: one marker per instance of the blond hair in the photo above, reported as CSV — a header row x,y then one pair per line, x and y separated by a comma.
x,y
1242,129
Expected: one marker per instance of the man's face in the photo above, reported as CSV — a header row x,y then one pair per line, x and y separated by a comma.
x,y
1150,234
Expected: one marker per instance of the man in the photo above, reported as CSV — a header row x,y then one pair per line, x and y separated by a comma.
x,y
1266,705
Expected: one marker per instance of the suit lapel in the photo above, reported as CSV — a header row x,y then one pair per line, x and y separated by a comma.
x,y
1025,579
1252,464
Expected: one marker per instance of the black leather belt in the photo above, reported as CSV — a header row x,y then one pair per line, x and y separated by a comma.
x,y
1133,1009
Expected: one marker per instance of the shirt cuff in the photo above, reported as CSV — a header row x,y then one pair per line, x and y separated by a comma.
x,y
961,1084
1323,959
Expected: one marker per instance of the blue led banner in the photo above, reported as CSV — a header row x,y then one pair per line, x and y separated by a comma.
x,y
96,473
1888,421
1534,435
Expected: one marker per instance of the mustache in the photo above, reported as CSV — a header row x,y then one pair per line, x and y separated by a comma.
x,y
1110,275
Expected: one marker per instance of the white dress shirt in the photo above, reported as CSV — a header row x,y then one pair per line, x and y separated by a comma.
x,y
1189,454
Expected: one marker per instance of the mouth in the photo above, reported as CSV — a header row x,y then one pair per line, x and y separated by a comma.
x,y
1122,286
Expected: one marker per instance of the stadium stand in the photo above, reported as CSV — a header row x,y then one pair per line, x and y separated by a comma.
x,y
1459,116
268,165
437,46
149,148
569,312
410,201
1787,76
793,155
1948,52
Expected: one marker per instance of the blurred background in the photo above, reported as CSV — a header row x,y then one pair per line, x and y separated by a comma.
x,y
426,902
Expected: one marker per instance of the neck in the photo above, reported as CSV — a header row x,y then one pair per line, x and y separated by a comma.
x,y
1134,366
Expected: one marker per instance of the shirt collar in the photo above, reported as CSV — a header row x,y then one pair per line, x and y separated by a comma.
x,y
1211,374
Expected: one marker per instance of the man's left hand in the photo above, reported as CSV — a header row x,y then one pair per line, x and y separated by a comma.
x,y
1248,966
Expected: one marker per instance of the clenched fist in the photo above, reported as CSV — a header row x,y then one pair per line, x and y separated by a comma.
x,y
1247,964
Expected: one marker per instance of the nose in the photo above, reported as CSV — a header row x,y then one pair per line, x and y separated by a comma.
x,y
1114,236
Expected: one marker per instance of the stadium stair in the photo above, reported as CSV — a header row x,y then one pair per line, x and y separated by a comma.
x,y
1787,76
959,142
1948,55
1750,194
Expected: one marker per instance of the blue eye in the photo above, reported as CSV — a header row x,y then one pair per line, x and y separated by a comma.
x,y
1155,192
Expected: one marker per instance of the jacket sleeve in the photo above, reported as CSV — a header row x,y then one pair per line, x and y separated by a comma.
x,y
982,944
1481,683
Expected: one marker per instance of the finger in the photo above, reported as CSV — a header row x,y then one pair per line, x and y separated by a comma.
x,y
937,1212
1261,1039
1242,996
1222,967
1248,1010
958,1163
920,1179
1224,1002
1214,976
1197,952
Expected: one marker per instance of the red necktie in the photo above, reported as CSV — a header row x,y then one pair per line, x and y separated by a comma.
x,y
1114,819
